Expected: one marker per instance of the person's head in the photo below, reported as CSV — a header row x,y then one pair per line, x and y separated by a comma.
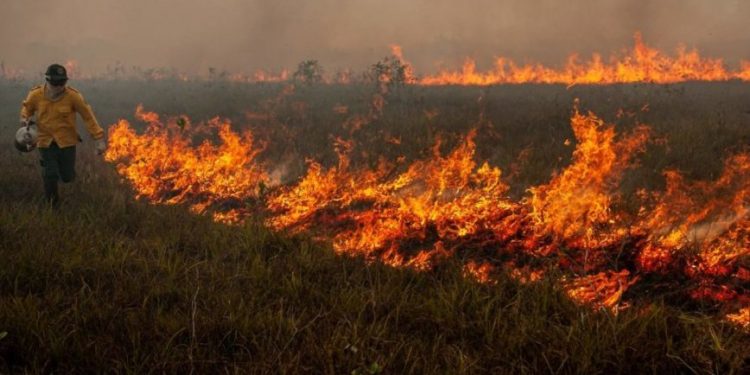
x,y
56,77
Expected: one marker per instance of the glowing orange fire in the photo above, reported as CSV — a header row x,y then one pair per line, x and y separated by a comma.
x,y
449,206
641,64
261,75
576,204
165,166
430,204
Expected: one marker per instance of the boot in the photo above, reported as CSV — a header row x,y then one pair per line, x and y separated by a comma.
x,y
50,192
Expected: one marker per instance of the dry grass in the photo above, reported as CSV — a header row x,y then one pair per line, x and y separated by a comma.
x,y
110,284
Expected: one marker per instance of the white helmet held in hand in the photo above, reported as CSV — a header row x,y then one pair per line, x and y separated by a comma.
x,y
26,138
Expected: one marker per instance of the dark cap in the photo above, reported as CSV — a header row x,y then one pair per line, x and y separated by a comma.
x,y
56,74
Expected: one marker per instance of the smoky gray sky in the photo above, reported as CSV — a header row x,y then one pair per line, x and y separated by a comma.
x,y
245,35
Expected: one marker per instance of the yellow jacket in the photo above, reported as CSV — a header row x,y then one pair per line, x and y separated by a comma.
x,y
56,119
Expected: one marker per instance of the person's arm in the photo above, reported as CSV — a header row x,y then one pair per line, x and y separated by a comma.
x,y
84,109
28,108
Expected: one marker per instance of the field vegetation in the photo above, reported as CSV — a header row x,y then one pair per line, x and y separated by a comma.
x,y
110,283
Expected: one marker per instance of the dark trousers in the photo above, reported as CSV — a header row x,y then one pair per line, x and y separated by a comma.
x,y
57,164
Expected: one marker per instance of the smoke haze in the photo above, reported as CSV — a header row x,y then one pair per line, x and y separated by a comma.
x,y
242,36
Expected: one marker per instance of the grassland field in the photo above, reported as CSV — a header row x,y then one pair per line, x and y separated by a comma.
x,y
108,283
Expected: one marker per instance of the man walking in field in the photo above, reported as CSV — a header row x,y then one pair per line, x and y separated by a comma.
x,y
55,106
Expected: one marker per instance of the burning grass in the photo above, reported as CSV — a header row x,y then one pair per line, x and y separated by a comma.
x,y
141,288
165,167
641,63
421,214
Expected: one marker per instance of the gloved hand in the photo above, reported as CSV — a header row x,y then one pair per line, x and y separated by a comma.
x,y
101,146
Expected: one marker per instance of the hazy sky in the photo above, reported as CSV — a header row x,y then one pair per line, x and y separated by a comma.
x,y
243,35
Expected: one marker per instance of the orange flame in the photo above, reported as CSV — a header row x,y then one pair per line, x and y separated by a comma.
x,y
710,216
603,290
165,167
641,64
480,272
398,54
576,203
448,197
264,76
450,206
740,318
